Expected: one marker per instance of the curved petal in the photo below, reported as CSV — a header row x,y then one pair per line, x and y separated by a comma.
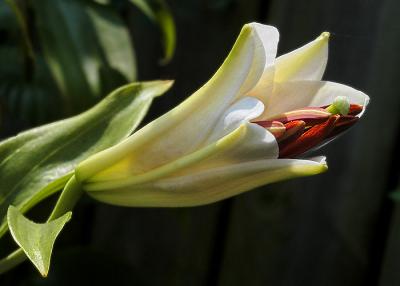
x,y
305,63
269,39
166,138
298,94
248,142
211,185
242,111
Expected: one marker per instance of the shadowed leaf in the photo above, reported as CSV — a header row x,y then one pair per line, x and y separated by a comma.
x,y
36,240
38,162
84,43
159,12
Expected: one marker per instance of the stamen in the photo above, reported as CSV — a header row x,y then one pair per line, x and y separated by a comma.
x,y
355,109
275,127
344,123
299,130
309,114
293,130
309,139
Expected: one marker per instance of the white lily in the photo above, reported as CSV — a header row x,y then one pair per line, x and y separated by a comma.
x,y
223,139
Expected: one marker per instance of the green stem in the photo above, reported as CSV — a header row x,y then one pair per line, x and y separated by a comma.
x,y
12,260
68,199
66,202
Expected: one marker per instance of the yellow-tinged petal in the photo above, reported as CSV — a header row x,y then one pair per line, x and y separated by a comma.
x,y
166,139
210,185
305,63
248,142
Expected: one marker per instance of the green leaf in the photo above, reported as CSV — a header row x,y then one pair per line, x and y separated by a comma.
x,y
36,240
144,6
20,17
75,37
115,41
395,195
72,57
167,24
103,2
39,162
159,12
27,102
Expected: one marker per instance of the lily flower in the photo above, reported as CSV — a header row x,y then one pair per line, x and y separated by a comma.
x,y
248,126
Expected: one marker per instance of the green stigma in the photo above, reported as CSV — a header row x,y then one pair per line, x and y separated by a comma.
x,y
340,105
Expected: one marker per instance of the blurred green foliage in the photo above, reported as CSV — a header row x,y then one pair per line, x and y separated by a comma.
x,y
59,57
395,195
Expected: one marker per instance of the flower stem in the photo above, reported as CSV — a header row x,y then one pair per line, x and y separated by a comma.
x,y
12,260
68,199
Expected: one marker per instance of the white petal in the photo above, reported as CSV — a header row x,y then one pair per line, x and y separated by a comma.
x,y
269,39
248,142
242,111
185,128
305,63
298,94
256,144
210,185
264,87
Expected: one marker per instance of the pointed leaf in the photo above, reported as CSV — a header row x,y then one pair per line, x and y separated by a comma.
x,y
36,240
114,39
32,161
167,25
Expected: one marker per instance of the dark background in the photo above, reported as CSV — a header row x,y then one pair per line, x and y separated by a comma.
x,y
338,228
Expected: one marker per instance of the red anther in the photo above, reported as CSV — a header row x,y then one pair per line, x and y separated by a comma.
x,y
355,109
344,123
346,120
293,129
309,139
314,121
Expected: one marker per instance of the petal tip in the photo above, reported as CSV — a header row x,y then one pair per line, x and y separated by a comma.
x,y
322,161
320,165
324,36
265,32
